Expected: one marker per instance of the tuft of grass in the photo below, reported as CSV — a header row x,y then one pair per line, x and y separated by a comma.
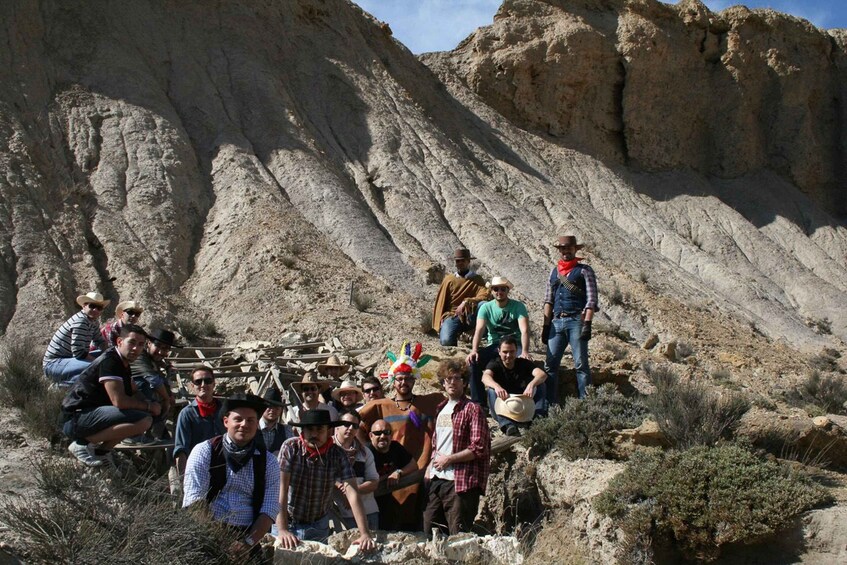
x,y
361,301
614,330
707,497
821,326
615,296
288,260
195,329
689,414
618,352
826,360
581,428
425,320
21,374
820,395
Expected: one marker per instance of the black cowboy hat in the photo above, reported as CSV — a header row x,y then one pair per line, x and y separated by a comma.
x,y
315,418
273,397
243,401
165,337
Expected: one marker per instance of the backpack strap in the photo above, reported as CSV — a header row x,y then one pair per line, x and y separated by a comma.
x,y
217,469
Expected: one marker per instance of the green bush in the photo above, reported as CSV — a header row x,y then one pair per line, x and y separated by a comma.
x,y
21,374
704,498
688,413
581,428
826,393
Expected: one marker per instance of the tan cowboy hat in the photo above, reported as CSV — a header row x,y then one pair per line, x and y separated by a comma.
x,y
517,407
333,361
346,386
565,240
310,379
127,305
499,281
90,297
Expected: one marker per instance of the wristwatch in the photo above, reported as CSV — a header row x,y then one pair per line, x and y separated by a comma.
x,y
399,473
249,541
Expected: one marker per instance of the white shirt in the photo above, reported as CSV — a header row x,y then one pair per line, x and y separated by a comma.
x,y
444,440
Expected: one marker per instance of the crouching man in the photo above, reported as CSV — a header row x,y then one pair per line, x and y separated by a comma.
x,y
311,466
236,476
461,447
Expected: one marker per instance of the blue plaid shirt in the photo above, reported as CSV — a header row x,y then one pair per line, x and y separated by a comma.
x,y
234,504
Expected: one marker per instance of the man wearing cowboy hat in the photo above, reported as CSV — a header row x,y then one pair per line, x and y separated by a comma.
x,y
309,390
333,369
498,318
152,373
126,312
68,353
200,420
236,476
274,432
569,306
311,466
458,296
509,376
347,397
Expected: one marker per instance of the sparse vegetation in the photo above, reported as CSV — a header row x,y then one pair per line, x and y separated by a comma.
x,y
826,360
683,350
618,352
820,395
704,498
615,296
23,385
689,414
194,329
821,326
288,260
614,330
425,320
361,301
581,428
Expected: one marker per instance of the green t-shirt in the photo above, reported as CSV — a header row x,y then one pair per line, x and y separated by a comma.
x,y
501,322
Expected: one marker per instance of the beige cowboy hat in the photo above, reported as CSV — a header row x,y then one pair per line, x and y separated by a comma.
x,y
333,361
127,305
347,386
310,379
566,240
517,407
90,297
499,281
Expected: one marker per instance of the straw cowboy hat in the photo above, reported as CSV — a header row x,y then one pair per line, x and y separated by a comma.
x,y
315,418
333,361
128,305
499,281
566,240
310,379
347,386
517,407
92,297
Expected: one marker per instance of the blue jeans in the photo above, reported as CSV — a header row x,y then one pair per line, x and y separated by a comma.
x,y
65,370
485,356
564,332
350,523
312,531
452,326
540,398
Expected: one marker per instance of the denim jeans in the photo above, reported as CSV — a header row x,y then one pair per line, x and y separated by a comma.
x,y
485,356
540,398
65,370
452,326
564,332
312,531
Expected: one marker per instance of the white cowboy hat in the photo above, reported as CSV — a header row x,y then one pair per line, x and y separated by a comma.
x,y
517,407
127,305
90,297
346,386
310,379
333,361
499,281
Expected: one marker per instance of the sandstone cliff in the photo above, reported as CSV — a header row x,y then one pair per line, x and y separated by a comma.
x,y
248,159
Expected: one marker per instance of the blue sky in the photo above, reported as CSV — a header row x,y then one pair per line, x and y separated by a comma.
x,y
439,25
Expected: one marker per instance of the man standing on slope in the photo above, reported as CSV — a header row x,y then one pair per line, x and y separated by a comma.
x,y
457,299
569,306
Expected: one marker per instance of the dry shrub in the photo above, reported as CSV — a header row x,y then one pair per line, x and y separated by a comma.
x,y
361,301
551,541
195,329
688,413
820,395
21,374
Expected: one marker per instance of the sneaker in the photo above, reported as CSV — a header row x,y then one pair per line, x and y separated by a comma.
x,y
512,430
85,453
139,441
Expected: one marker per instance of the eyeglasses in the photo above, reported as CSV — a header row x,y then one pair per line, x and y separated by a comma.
x,y
500,289
370,390
92,306
132,312
404,379
353,425
452,378
381,433
309,389
206,381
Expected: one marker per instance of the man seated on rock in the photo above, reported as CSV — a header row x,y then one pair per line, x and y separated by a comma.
x,y
372,389
69,352
274,432
311,466
458,296
461,444
392,461
509,375
347,397
199,421
309,389
152,373
236,476
126,312
102,407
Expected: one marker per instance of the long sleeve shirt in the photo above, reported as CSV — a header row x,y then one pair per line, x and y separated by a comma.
x,y
73,339
590,287
470,431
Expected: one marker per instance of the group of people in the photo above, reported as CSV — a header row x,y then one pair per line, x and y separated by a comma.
x,y
334,460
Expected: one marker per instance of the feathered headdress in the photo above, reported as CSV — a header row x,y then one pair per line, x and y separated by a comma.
x,y
409,361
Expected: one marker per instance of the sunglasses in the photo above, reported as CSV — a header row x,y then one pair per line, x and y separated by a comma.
x,y
132,312
92,306
381,433
353,425
370,390
309,389
500,289
206,381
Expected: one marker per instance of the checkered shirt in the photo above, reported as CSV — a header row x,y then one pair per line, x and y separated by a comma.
x,y
312,479
470,431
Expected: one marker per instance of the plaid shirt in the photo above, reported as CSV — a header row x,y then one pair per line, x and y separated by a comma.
x,y
312,479
590,287
470,431
234,504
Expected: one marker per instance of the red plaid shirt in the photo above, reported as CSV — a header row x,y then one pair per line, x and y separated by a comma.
x,y
470,431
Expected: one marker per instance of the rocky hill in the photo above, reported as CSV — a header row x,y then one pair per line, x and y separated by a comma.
x,y
247,160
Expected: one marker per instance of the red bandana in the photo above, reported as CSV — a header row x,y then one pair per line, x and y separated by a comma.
x,y
206,409
311,451
566,267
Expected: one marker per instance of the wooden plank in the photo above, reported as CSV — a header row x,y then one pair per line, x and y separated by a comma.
x,y
310,357
123,447
502,443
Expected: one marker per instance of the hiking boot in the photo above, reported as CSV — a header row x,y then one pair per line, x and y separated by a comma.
x,y
85,453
